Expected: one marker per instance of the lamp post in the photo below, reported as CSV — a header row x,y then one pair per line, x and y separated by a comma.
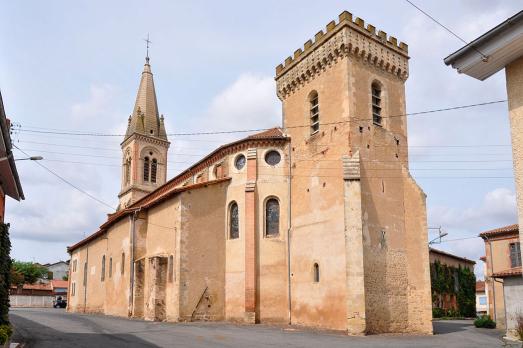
x,y
32,158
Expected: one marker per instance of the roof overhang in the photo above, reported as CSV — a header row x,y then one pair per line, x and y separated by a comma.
x,y
501,45
9,180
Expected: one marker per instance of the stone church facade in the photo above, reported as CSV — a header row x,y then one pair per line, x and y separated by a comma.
x,y
317,223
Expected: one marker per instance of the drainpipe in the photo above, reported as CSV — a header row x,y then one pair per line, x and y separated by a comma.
x,y
132,218
289,205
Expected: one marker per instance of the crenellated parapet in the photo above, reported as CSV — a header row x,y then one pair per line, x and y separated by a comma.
x,y
347,37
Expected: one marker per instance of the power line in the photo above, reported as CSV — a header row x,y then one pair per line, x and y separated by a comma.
x,y
484,57
66,181
97,134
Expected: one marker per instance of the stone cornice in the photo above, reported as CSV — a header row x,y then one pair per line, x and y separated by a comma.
x,y
342,39
145,138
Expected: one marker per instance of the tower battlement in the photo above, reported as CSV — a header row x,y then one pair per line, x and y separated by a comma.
x,y
347,36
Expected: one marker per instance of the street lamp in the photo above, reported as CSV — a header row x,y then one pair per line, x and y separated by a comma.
x,y
32,158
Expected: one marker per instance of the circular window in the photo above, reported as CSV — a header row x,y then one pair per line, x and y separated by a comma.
x,y
239,162
272,158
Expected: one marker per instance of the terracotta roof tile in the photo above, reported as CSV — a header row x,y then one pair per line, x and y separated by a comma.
x,y
171,186
464,259
512,272
502,230
58,283
269,133
480,286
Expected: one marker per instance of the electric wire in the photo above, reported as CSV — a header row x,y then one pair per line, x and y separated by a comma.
x,y
67,181
484,57
99,134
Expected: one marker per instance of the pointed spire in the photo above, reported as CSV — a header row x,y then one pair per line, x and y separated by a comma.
x,y
145,119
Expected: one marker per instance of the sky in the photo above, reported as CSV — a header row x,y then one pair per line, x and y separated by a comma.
x,y
76,66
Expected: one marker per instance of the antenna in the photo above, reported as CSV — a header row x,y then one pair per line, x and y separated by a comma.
x,y
441,234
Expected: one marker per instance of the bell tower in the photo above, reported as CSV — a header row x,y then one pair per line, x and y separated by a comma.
x,y
145,146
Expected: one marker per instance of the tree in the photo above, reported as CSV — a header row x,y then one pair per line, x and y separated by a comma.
x,y
30,271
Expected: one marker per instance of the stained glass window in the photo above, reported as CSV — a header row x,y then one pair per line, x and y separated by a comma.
x,y
239,162
234,223
272,158
272,217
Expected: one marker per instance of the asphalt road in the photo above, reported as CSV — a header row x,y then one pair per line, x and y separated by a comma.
x,y
56,328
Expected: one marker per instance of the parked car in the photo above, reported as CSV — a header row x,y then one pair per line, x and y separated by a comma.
x,y
59,302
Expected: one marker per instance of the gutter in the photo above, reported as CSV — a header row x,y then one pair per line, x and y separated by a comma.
x,y
451,59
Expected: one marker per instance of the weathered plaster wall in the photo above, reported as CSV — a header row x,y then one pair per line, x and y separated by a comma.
x,y
202,252
317,234
163,226
271,251
117,287
513,289
514,76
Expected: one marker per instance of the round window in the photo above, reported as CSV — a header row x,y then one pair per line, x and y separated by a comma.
x,y
272,158
239,162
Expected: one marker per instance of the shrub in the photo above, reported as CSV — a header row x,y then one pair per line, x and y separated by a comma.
x,y
485,321
438,312
519,326
5,333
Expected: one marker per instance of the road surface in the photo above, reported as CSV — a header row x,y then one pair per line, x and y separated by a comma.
x,y
57,328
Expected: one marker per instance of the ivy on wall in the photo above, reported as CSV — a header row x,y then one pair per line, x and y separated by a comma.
x,y
460,282
5,271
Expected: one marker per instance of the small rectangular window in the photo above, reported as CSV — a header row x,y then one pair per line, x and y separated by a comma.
x,y
515,254
110,267
483,300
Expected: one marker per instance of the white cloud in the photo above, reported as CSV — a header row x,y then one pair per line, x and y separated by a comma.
x,y
497,209
98,109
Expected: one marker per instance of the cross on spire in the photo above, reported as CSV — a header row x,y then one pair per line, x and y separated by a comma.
x,y
147,45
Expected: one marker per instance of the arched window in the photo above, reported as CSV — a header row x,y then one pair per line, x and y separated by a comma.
x,y
314,112
102,275
85,274
376,104
171,267
110,267
146,169
272,217
127,171
122,265
234,223
154,169
316,271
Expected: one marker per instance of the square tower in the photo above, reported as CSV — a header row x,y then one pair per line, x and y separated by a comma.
x,y
358,217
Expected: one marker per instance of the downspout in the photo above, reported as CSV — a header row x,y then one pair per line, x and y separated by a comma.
x,y
289,205
131,263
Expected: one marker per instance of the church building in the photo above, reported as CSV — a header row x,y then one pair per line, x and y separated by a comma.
x,y
316,223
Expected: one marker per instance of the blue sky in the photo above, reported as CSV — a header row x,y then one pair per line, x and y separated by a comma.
x,y
76,66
